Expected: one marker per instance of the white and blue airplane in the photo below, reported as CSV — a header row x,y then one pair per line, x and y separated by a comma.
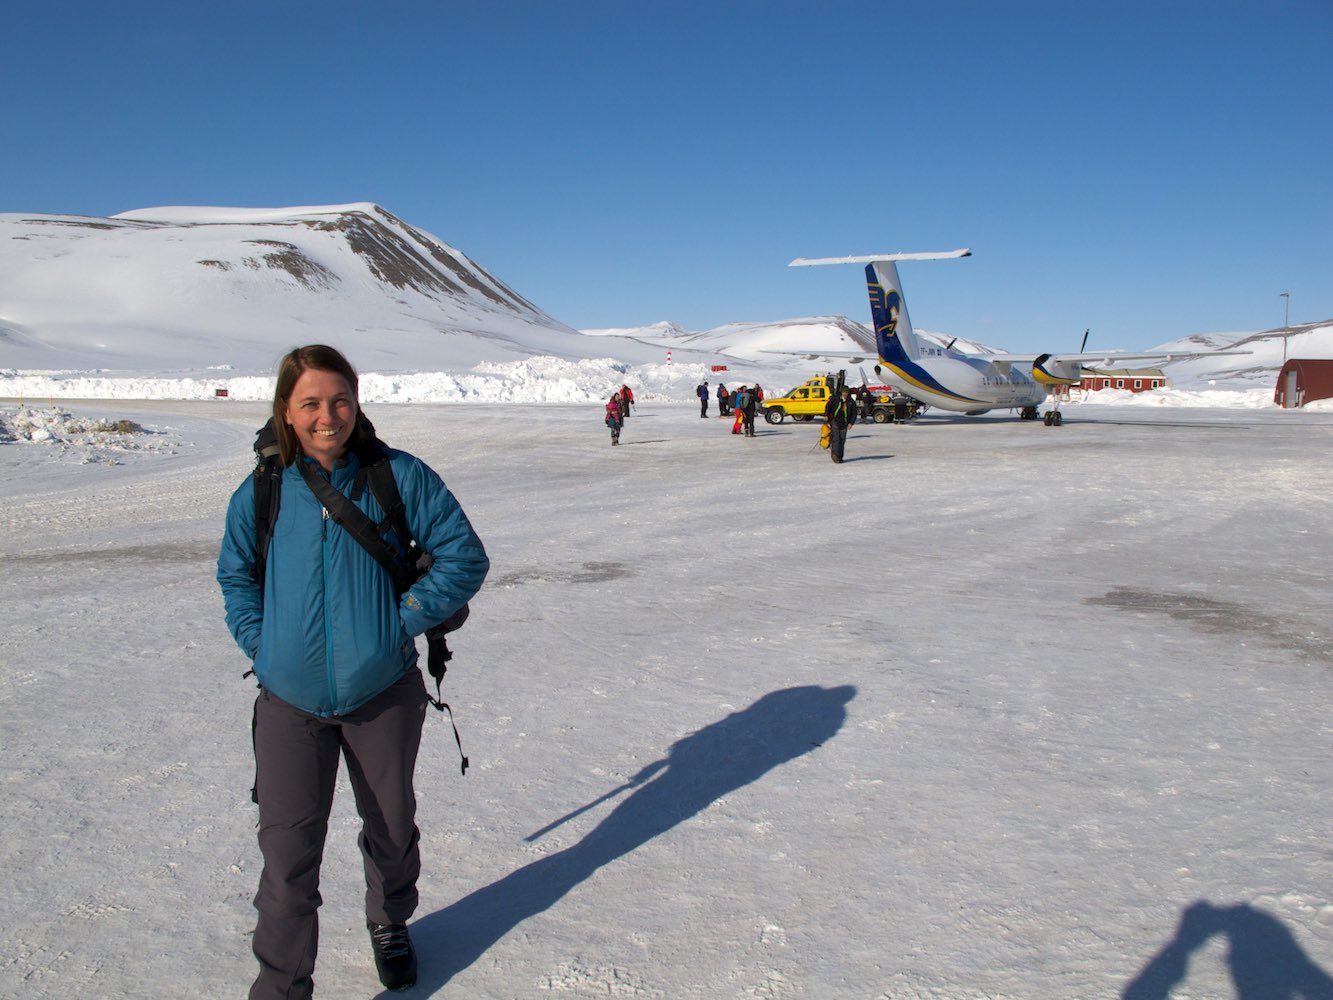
x,y
952,380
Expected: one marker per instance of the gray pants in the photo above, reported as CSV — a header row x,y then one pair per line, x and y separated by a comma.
x,y
837,439
296,765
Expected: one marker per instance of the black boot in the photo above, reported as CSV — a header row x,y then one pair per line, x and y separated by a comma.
x,y
395,959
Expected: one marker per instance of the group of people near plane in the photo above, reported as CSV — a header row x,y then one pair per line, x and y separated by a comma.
x,y
745,401
731,401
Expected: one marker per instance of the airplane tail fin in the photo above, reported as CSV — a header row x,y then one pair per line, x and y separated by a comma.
x,y
894,337
888,312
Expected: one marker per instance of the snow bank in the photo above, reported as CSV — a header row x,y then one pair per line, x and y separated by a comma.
x,y
535,380
544,379
87,440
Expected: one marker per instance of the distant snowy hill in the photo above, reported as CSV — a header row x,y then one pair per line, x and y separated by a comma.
x,y
750,341
182,302
1268,351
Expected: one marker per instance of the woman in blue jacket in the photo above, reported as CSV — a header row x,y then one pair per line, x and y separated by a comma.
x,y
334,653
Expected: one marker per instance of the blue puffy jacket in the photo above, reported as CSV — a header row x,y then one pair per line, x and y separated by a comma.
x,y
329,634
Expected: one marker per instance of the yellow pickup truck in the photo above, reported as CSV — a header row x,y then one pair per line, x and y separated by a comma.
x,y
807,401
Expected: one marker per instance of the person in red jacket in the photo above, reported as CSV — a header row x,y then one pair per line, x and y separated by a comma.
x,y
626,401
615,417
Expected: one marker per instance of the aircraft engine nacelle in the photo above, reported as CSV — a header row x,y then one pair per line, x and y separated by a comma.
x,y
1049,372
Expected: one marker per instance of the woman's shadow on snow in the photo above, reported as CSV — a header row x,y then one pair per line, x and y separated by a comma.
x,y
1266,962
698,770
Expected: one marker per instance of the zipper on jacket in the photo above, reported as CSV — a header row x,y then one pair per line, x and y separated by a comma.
x,y
330,676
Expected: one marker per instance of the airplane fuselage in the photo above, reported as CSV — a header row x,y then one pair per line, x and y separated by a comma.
x,y
963,384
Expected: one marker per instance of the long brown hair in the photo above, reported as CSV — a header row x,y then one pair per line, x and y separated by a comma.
x,y
293,365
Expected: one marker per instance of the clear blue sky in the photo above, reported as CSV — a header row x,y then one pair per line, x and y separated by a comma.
x,y
1146,169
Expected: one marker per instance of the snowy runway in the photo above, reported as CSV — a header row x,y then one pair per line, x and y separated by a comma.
x,y
991,710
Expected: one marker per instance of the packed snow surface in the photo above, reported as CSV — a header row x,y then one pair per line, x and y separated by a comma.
x,y
991,710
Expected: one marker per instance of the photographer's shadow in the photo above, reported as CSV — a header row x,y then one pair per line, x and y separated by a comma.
x,y
698,770
1265,961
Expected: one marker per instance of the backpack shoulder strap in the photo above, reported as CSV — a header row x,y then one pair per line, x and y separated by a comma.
x,y
377,473
268,496
356,523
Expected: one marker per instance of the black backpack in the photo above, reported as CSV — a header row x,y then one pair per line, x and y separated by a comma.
x,y
405,565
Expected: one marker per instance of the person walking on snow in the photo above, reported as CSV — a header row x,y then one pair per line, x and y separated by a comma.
x,y
723,398
333,652
738,407
626,401
749,400
840,414
702,393
615,417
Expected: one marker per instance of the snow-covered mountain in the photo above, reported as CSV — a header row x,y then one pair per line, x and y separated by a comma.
x,y
181,302
184,289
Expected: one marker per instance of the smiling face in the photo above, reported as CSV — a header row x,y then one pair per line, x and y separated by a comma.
x,y
322,412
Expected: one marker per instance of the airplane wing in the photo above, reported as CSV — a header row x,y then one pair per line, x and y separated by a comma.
x,y
816,355
1105,359
874,258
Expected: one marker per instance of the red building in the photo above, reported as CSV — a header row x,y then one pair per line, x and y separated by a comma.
x,y
1302,381
1131,379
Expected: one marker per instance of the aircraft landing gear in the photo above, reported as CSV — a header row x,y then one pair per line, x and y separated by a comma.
x,y
1028,413
1053,418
